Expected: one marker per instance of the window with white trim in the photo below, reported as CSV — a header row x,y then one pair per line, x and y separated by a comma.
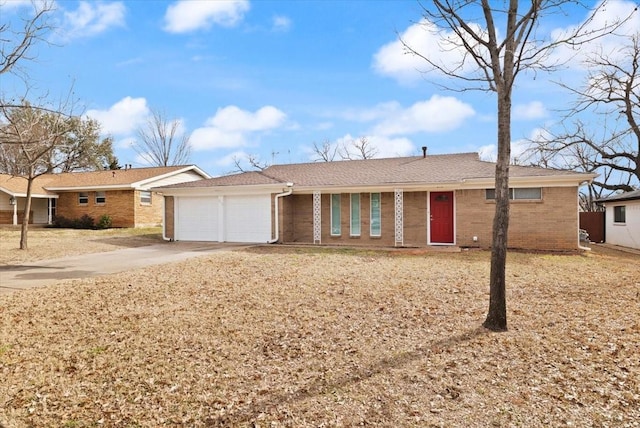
x,y
145,197
375,215
335,215
619,214
519,193
355,214
101,197
83,198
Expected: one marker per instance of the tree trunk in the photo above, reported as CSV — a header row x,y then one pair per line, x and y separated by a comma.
x,y
497,315
25,217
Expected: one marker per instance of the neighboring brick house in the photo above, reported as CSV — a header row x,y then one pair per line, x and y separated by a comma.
x,y
124,194
405,201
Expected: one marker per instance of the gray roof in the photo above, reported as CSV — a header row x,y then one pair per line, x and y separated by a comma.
x,y
432,169
627,196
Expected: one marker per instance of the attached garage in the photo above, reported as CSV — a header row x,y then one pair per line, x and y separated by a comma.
x,y
224,218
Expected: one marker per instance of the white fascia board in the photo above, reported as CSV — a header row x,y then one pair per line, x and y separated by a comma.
x,y
24,195
258,189
193,168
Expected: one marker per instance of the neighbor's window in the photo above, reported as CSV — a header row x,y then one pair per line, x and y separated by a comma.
x,y
335,214
355,214
145,197
375,215
619,214
101,197
525,193
83,198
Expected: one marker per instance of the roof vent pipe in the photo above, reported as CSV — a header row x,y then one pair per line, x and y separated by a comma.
x,y
424,151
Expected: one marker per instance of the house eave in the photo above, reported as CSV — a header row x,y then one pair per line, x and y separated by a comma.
x,y
222,190
142,183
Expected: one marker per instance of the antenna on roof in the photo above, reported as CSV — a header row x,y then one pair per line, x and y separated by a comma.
x,y
424,151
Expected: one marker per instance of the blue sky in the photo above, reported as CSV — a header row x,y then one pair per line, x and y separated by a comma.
x,y
270,78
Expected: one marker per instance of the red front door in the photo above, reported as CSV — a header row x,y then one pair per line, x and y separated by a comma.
x,y
441,219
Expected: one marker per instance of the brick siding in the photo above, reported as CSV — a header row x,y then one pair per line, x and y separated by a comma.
x,y
169,217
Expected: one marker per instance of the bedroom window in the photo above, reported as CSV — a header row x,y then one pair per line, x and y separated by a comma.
x,y
83,198
101,197
375,229
355,214
619,214
523,193
145,197
335,215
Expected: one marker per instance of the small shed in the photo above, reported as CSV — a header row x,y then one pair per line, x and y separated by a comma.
x,y
622,219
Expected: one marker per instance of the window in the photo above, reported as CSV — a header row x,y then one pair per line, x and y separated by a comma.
x,y
101,198
83,198
375,215
335,214
145,197
619,214
525,193
355,214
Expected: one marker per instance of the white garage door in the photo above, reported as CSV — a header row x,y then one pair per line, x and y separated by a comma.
x,y
245,218
197,219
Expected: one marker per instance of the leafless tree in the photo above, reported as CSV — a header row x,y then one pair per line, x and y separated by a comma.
x,y
352,150
499,41
162,142
17,41
35,135
611,146
358,149
325,152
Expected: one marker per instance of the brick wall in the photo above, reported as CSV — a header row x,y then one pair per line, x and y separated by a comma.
x,y
148,215
550,224
169,217
119,205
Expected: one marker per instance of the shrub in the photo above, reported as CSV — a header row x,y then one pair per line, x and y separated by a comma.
x,y
104,222
84,222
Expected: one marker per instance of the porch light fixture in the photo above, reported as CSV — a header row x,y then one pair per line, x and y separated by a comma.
x,y
12,200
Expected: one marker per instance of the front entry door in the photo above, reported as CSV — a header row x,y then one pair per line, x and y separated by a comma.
x,y
441,219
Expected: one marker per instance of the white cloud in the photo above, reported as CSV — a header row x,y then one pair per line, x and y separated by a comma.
x,y
281,23
531,111
518,148
231,126
90,19
123,117
186,16
437,114
395,60
7,5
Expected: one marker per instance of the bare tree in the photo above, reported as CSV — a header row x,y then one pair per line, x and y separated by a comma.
x,y
255,164
16,42
358,149
610,147
162,141
325,152
493,54
36,136
352,150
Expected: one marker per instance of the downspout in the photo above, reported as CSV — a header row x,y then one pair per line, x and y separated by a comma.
x,y
277,217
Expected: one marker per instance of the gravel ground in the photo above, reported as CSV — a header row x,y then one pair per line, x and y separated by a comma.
x,y
296,337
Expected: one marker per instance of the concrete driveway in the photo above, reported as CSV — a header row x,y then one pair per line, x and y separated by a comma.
x,y
44,272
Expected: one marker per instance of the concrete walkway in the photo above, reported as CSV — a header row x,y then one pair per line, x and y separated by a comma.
x,y
44,272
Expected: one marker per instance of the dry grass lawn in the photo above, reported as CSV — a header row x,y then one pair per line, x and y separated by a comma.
x,y
296,337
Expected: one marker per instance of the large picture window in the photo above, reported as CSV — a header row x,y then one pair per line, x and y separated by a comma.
x,y
619,214
524,193
355,214
376,229
335,215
